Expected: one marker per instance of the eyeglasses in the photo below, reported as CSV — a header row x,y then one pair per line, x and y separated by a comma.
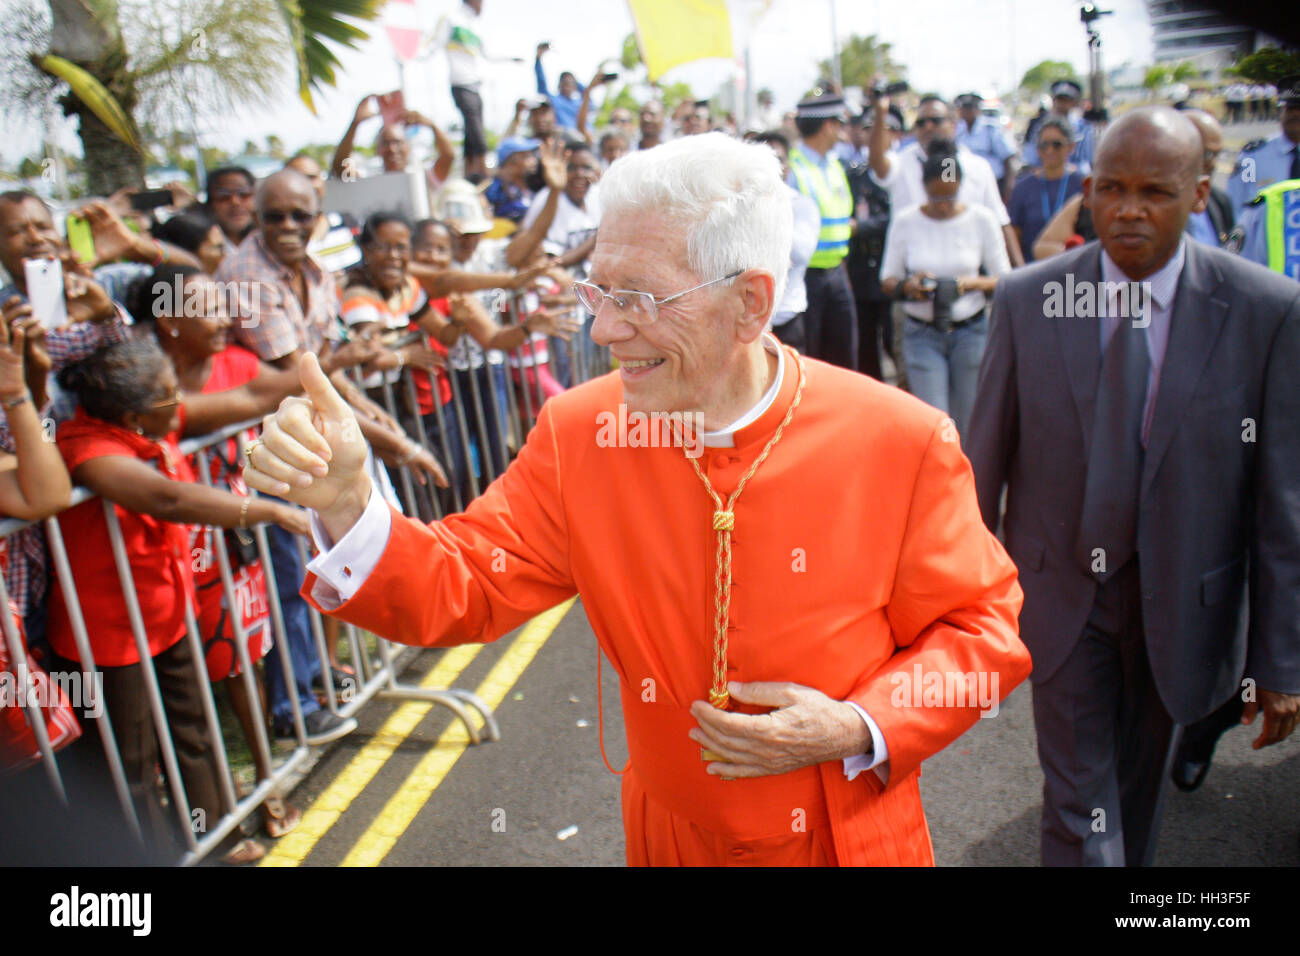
x,y
222,195
277,216
168,403
638,308
1052,144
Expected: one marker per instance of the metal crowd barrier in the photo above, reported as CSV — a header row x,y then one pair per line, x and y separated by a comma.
x,y
376,678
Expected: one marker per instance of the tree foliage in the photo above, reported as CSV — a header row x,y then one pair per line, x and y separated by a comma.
x,y
862,58
1266,65
1039,77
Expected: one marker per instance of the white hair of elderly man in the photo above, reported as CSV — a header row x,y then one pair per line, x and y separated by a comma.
x,y
728,195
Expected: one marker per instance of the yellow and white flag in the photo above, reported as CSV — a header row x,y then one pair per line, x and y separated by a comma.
x,y
673,32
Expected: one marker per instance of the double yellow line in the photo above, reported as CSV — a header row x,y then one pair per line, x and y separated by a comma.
x,y
397,815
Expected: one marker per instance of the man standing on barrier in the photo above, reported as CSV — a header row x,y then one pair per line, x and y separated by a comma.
x,y
778,635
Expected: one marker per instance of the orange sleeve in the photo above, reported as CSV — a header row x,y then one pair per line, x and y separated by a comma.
x,y
954,611
475,576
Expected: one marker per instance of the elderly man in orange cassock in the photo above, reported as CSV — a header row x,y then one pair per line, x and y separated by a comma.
x,y
790,553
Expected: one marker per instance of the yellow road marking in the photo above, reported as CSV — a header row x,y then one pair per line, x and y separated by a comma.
x,y
382,835
292,848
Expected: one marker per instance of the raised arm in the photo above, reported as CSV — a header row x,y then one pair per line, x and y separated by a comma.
x,y
34,482
137,487
365,109
207,412
438,584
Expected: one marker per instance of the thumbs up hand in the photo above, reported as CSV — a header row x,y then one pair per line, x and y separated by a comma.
x,y
312,453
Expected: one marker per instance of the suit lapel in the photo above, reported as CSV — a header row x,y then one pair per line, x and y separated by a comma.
x,y
1197,318
1080,340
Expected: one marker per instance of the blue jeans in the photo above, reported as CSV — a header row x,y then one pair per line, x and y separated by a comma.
x,y
289,573
943,367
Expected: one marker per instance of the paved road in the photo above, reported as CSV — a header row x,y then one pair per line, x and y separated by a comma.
x,y
505,803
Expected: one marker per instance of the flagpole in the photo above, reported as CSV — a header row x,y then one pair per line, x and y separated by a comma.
x,y
835,50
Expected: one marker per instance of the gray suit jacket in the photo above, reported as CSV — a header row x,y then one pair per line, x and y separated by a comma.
x,y
1219,517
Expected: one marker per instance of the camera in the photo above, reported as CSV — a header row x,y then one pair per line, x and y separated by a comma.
x,y
890,89
944,293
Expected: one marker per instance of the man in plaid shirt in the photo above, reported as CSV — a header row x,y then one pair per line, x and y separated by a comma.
x,y
285,305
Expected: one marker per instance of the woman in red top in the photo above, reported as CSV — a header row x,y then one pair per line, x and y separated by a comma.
x,y
192,325
122,445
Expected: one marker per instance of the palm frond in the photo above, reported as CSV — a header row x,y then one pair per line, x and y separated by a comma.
x,y
312,24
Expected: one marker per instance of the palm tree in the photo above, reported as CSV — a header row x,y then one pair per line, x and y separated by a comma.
x,y
127,62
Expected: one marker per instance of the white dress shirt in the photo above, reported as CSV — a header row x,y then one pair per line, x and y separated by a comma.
x,y
341,567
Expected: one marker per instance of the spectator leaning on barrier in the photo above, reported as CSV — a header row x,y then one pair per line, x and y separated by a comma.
x,y
333,242
122,446
94,320
187,312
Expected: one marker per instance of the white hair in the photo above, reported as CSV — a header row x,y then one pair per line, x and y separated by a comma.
x,y
727,195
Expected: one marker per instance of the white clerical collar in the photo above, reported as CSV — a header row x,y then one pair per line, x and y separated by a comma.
x,y
726,437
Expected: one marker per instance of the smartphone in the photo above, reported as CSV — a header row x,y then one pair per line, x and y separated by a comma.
x,y
148,200
80,239
45,292
609,77
392,107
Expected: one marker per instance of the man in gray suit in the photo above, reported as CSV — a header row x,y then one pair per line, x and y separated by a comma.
x,y
1148,437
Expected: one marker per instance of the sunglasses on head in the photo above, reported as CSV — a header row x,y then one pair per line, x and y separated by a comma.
x,y
277,216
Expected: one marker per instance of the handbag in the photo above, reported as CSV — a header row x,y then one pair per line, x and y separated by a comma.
x,y
18,746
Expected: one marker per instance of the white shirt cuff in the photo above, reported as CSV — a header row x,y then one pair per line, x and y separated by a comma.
x,y
342,568
877,760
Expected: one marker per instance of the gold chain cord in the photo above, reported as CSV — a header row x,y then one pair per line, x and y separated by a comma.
x,y
724,522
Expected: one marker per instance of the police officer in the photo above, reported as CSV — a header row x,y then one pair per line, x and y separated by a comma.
x,y
830,321
1264,162
1271,224
1065,99
982,137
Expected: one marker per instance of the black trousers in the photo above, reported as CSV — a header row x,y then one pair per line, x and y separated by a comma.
x,y
791,333
127,702
831,321
874,324
1105,741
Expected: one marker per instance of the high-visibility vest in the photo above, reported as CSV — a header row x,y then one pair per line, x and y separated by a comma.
x,y
830,190
1282,226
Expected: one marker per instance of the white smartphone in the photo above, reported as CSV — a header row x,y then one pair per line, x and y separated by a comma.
x,y
45,292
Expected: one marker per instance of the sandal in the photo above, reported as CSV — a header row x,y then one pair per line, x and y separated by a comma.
x,y
279,817
245,851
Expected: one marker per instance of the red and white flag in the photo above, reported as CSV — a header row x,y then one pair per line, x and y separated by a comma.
x,y
402,21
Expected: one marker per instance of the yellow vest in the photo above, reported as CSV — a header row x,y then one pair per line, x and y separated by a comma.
x,y
830,190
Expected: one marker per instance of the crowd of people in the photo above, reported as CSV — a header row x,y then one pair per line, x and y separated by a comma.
x,y
195,318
